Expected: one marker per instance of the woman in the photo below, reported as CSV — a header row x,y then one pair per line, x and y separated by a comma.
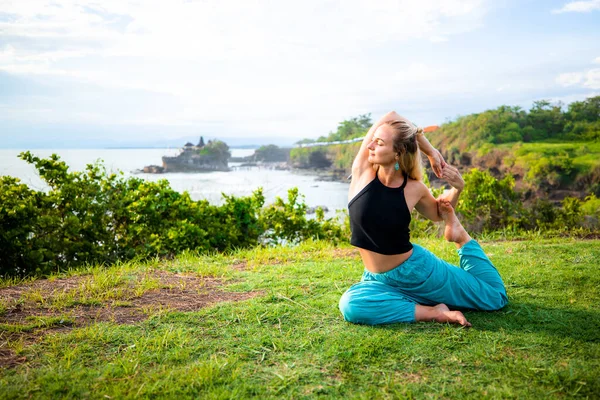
x,y
404,282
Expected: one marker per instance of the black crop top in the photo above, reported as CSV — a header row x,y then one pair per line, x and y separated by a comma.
x,y
379,219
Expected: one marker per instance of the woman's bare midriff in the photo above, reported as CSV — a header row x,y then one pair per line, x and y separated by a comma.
x,y
380,263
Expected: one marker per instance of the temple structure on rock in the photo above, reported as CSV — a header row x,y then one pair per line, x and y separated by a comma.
x,y
212,156
203,157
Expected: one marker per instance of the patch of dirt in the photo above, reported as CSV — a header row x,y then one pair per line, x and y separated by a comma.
x,y
54,286
343,253
8,359
410,377
241,266
176,292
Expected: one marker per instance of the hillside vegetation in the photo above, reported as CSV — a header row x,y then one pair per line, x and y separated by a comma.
x,y
550,147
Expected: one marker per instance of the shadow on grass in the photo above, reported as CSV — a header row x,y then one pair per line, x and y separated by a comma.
x,y
577,324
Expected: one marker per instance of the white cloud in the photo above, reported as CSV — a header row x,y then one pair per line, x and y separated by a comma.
x,y
589,78
223,58
569,78
592,79
579,6
228,31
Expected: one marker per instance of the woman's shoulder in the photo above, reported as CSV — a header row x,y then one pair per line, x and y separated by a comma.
x,y
415,191
416,188
414,184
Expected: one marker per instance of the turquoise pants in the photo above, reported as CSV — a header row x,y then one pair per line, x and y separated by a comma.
x,y
389,297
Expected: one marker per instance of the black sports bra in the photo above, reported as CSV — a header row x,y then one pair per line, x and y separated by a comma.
x,y
379,218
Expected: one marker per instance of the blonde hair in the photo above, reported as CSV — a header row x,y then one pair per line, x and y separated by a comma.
x,y
407,148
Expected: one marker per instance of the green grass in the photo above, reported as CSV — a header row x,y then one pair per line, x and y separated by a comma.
x,y
97,285
36,322
551,148
585,155
291,342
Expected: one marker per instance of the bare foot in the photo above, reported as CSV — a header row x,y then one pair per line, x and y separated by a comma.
x,y
453,317
454,231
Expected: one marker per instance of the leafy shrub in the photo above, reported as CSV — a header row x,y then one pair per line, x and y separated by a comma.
x,y
19,210
286,222
591,206
95,217
487,203
550,171
545,215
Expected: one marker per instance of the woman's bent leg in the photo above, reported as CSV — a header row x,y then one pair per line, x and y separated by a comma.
x,y
476,285
475,262
482,286
375,303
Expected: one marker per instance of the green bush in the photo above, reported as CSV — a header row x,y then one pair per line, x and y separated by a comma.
x,y
486,203
19,210
550,171
95,217
545,215
286,222
591,206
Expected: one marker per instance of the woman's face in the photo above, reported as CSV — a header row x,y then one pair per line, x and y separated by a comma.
x,y
381,148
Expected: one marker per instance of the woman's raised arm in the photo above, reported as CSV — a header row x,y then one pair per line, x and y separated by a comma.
x,y
427,205
452,175
435,157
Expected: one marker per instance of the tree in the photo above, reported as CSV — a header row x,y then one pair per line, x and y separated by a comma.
x,y
547,119
587,110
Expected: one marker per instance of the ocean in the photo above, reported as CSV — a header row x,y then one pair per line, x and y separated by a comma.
x,y
208,185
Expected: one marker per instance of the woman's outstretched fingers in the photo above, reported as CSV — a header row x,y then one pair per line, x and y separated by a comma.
x,y
437,163
452,175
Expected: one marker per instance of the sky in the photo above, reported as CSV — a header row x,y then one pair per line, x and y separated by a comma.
x,y
109,73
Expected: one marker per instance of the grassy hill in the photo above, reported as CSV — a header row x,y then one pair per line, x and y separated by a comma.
x,y
547,148
264,323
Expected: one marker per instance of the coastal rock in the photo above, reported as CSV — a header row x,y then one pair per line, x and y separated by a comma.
x,y
153,169
208,157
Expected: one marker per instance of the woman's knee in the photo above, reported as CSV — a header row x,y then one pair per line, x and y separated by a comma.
x,y
349,308
503,300
497,301
373,303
